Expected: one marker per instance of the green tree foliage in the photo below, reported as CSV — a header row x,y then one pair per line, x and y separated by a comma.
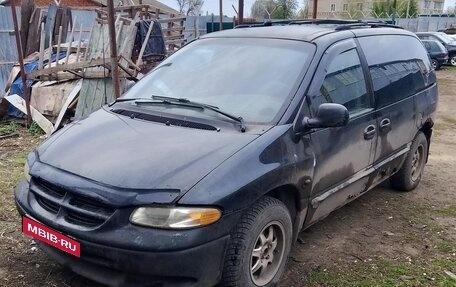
x,y
384,9
274,9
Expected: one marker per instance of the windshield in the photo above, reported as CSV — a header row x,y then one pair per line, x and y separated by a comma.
x,y
445,38
250,78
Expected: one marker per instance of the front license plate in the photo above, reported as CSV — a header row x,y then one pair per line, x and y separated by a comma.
x,y
50,236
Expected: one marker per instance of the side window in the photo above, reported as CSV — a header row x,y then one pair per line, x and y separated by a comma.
x,y
434,47
400,70
344,84
428,47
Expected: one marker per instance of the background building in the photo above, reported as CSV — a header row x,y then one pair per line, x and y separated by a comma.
x,y
357,9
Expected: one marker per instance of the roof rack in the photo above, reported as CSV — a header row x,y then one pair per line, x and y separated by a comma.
x,y
264,24
323,21
371,24
346,24
339,24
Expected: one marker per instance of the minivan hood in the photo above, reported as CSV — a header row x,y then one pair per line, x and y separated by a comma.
x,y
128,153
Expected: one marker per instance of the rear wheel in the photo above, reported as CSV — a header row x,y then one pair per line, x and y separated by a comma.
x,y
435,64
453,60
409,176
259,247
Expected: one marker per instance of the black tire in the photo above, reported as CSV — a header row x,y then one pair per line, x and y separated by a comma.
x,y
409,176
435,64
241,260
452,60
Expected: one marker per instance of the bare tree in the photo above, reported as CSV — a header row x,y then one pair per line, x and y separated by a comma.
x,y
190,7
182,4
194,7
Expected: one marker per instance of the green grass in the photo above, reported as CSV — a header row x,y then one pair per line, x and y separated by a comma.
x,y
447,211
10,128
449,120
446,245
387,273
35,129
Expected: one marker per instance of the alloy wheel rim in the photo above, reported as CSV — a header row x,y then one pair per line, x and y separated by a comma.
x,y
453,61
417,163
434,64
267,253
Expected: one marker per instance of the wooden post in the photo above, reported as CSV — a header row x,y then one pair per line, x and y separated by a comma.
x,y
113,46
241,12
21,63
314,10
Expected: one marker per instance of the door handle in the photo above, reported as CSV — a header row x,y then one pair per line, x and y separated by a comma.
x,y
369,132
385,125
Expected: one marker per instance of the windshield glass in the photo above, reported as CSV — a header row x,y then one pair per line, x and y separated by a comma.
x,y
249,78
445,38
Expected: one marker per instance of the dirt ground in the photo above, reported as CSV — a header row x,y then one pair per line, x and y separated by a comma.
x,y
385,238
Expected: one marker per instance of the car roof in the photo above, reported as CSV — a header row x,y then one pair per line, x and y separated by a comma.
x,y
429,33
307,32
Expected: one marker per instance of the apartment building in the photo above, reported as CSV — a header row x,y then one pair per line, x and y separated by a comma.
x,y
356,9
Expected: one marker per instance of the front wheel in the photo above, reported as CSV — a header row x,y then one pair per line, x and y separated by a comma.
x,y
259,246
409,176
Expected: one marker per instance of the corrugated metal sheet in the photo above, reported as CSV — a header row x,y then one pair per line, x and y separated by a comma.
x,y
8,51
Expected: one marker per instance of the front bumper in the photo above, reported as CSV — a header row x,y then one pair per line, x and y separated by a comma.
x,y
190,264
198,266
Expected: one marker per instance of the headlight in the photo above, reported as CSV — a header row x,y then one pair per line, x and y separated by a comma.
x,y
175,217
26,171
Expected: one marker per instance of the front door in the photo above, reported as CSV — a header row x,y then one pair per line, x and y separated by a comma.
x,y
343,154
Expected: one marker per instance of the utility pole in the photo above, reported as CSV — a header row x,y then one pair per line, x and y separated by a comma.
x,y
221,15
241,12
28,118
314,10
113,46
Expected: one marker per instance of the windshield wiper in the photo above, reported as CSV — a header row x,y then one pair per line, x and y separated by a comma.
x,y
120,100
187,102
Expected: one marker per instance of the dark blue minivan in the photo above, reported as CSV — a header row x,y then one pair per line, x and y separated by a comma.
x,y
206,170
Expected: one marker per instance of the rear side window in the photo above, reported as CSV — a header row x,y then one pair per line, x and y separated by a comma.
x,y
344,84
427,45
399,66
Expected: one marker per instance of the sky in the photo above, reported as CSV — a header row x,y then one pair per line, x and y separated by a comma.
x,y
212,6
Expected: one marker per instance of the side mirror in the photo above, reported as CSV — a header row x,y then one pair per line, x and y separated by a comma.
x,y
328,115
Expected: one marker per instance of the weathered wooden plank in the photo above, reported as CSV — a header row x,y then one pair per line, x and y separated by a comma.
x,y
27,7
71,66
87,74
167,20
41,120
33,42
79,43
70,42
174,29
59,39
174,37
175,42
68,101
42,43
